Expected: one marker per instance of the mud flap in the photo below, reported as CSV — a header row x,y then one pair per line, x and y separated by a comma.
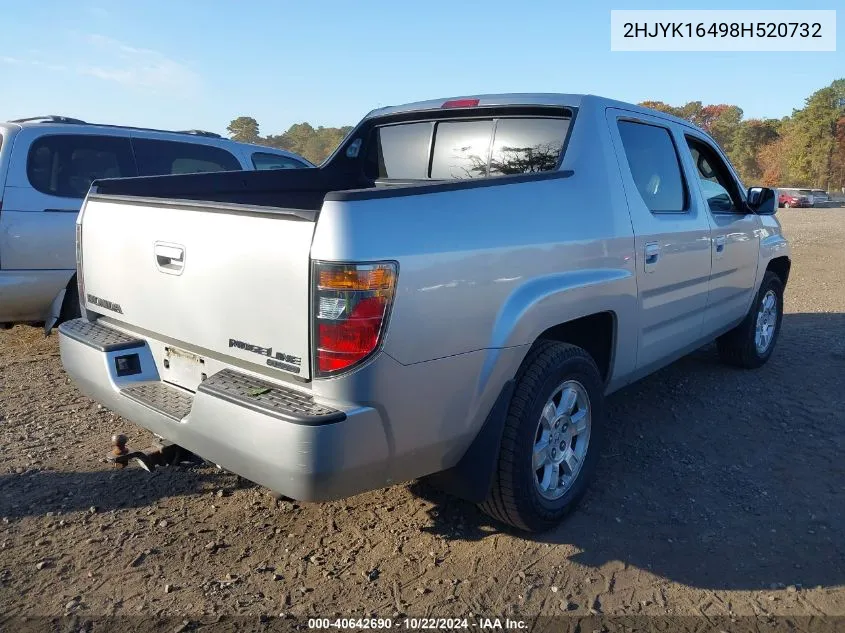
x,y
471,477
54,312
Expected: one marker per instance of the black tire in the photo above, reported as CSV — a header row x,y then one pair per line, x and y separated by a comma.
x,y
738,347
514,497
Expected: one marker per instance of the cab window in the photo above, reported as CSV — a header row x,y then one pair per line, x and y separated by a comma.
x,y
156,158
655,166
66,164
265,160
717,184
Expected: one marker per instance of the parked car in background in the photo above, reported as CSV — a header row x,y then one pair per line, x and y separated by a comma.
x,y
820,197
795,198
452,293
47,165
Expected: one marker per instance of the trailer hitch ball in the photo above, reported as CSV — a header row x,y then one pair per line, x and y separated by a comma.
x,y
119,448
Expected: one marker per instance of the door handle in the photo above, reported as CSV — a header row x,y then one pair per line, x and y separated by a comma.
x,y
170,258
652,255
719,245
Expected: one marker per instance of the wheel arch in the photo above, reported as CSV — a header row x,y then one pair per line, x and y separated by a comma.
x,y
470,479
781,267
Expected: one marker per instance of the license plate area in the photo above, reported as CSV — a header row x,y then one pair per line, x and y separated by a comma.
x,y
183,369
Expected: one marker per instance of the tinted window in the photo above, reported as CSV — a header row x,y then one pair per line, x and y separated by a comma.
x,y
403,150
66,165
717,184
524,146
262,161
461,149
172,157
467,149
654,165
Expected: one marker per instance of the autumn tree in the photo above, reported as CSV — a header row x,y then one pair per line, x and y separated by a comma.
x,y
747,140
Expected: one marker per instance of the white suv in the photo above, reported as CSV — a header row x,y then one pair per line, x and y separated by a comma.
x,y
47,165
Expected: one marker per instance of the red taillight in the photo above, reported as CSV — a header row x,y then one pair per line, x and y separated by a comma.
x,y
460,103
352,303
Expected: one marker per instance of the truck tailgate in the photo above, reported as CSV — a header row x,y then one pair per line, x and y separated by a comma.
x,y
230,279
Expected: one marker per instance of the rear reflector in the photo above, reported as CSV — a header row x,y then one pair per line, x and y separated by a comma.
x,y
460,103
351,303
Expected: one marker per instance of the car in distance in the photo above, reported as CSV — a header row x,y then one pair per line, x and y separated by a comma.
x,y
820,197
450,295
794,198
47,165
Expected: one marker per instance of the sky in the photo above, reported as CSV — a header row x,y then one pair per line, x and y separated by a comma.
x,y
181,64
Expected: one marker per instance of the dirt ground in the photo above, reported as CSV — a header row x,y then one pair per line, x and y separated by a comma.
x,y
721,493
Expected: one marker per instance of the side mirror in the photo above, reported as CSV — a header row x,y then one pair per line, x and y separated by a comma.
x,y
762,200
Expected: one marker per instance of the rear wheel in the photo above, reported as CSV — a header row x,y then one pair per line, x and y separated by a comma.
x,y
551,438
751,343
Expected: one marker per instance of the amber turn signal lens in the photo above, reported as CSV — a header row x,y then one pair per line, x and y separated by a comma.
x,y
373,277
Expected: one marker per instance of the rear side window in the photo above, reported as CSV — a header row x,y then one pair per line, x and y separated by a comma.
x,y
66,164
654,165
263,160
157,158
457,150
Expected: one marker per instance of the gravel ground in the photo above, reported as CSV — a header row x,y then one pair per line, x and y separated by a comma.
x,y
720,494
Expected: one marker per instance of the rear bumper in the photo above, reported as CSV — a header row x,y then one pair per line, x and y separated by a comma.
x,y
280,437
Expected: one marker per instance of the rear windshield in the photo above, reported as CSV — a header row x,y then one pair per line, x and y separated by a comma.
x,y
478,148
804,192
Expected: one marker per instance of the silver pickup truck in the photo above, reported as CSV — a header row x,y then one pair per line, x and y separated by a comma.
x,y
451,294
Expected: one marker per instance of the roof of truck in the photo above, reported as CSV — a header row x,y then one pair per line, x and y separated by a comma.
x,y
529,99
69,124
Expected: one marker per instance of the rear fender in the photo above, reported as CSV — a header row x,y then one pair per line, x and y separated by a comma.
x,y
530,310
551,300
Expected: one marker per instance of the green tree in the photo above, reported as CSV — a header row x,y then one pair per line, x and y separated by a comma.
x,y
813,153
314,144
244,129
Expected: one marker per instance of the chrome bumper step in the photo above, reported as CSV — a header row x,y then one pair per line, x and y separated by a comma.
x,y
173,402
100,337
265,397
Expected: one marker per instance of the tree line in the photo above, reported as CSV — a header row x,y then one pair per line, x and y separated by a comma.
x,y
315,144
805,149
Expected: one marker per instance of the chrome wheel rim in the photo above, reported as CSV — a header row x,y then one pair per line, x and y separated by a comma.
x,y
767,321
561,439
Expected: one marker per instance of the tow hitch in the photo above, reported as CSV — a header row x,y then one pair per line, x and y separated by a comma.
x,y
162,453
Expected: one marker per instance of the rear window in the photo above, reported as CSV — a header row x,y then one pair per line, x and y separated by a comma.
x,y
804,192
457,150
263,160
157,158
65,165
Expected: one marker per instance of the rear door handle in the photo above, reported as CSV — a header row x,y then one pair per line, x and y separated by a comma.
x,y
719,245
170,258
652,255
